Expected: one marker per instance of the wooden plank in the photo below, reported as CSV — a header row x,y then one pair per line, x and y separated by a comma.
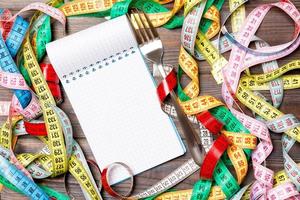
x,y
277,28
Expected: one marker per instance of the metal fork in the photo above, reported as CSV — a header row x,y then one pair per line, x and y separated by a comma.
x,y
152,49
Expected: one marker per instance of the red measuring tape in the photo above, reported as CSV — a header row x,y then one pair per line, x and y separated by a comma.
x,y
212,157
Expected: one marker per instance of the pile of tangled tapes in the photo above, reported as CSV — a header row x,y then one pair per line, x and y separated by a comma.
x,y
230,137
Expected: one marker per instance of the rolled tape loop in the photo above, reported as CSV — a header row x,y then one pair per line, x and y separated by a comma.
x,y
105,179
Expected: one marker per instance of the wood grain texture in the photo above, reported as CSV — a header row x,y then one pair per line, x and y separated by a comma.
x,y
277,28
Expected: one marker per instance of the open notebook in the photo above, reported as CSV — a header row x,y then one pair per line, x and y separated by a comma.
x,y
114,97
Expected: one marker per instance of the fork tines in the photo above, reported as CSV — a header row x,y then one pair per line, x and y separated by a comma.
x,y
145,32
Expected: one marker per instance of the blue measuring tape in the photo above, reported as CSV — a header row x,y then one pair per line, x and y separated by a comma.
x,y
21,181
16,35
7,63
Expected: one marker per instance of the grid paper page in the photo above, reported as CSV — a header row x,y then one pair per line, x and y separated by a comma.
x,y
119,112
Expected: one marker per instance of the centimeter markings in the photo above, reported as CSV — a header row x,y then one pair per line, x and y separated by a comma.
x,y
16,35
52,123
8,65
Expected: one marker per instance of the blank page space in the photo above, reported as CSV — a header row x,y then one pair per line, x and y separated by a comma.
x,y
120,114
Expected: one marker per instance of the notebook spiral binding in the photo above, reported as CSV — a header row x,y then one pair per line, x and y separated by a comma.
x,y
85,71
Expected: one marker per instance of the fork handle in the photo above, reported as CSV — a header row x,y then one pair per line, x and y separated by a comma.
x,y
192,138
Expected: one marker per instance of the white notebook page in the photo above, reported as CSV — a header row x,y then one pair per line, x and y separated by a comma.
x,y
117,107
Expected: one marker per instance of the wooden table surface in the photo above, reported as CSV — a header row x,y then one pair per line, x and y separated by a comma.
x,y
277,28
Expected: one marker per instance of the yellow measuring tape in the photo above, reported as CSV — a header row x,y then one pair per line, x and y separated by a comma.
x,y
212,14
267,77
55,135
86,6
263,108
215,60
159,19
6,133
289,82
80,174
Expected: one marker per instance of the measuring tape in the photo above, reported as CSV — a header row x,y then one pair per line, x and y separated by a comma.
x,y
5,14
15,176
8,65
85,7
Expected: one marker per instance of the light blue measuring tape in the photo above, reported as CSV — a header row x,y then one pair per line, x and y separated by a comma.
x,y
16,35
21,181
9,49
